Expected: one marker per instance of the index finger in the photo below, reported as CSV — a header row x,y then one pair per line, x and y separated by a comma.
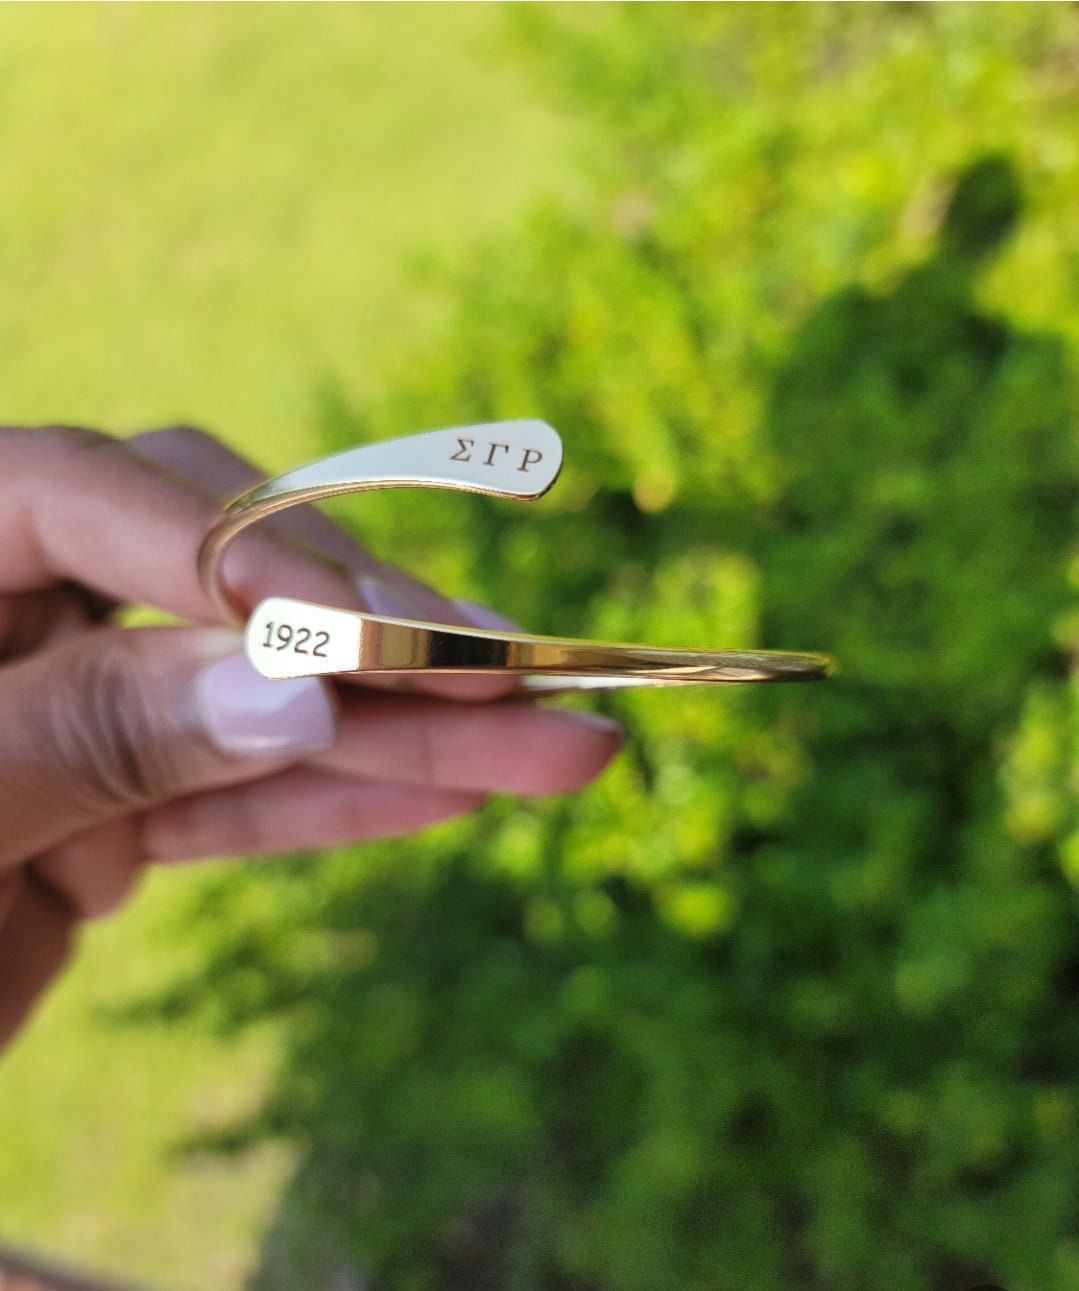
x,y
77,505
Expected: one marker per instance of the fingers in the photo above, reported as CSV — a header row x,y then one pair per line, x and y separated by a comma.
x,y
444,760
95,871
298,809
79,506
398,764
492,748
204,460
123,719
38,619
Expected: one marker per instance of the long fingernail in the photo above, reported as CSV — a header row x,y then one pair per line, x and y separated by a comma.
x,y
597,722
482,617
381,599
246,715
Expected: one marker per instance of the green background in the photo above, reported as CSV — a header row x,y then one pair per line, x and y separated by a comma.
x,y
787,999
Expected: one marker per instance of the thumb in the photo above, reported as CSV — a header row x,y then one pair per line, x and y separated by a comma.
x,y
125,718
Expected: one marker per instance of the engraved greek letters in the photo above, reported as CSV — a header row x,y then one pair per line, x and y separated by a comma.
x,y
529,456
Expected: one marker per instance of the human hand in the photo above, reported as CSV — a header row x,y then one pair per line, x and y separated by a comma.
x,y
125,746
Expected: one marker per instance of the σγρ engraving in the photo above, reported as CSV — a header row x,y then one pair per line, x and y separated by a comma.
x,y
529,456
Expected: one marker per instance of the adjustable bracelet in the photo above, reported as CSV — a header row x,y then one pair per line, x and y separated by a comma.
x,y
505,459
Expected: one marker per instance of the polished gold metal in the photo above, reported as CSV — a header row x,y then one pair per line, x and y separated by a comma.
x,y
285,637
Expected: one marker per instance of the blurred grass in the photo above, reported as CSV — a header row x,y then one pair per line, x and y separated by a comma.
x,y
206,209
90,1110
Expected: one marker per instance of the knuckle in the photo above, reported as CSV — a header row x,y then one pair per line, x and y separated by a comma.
x,y
72,441
181,433
104,733
75,438
95,872
21,441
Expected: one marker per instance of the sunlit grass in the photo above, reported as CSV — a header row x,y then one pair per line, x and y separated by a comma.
x,y
209,209
91,1113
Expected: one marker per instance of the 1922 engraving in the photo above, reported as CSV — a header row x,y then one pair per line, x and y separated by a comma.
x,y
280,636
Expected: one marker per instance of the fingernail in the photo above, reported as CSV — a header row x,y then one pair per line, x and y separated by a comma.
x,y
246,715
380,599
597,722
482,617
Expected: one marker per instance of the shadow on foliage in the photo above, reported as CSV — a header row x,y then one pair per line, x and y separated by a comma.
x,y
858,1067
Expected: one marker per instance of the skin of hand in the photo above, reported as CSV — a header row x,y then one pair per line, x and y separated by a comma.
x,y
122,746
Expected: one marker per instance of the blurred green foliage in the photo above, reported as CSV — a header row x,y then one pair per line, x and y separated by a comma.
x,y
788,999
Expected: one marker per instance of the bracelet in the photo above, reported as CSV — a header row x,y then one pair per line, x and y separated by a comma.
x,y
285,637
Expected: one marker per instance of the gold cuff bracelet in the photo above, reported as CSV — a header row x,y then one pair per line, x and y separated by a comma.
x,y
505,459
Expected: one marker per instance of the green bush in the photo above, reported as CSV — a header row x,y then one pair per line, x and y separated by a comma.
x,y
788,998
